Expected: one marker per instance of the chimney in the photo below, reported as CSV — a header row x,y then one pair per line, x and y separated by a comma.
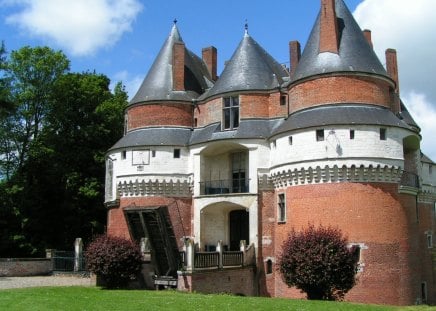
x,y
392,70
179,66
294,54
368,37
210,57
328,37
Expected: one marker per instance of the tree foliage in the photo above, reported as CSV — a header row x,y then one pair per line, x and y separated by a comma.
x,y
53,144
115,259
318,262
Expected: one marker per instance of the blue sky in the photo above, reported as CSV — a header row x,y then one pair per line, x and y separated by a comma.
x,y
120,38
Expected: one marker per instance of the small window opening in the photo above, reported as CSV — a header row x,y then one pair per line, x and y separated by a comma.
x,y
430,169
153,153
176,153
290,140
195,122
123,155
351,134
274,144
429,240
281,207
269,266
382,134
282,100
320,135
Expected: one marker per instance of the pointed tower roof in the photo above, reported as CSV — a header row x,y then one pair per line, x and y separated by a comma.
x,y
158,84
250,68
354,52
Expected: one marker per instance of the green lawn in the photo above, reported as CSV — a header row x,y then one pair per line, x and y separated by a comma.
x,y
94,298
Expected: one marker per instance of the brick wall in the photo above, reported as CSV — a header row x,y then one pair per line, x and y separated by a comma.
x,y
233,281
209,112
339,89
373,214
25,267
117,225
159,114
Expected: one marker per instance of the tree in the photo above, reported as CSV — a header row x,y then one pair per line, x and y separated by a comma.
x,y
318,262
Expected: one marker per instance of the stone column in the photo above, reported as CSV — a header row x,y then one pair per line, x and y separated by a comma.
x,y
78,254
219,249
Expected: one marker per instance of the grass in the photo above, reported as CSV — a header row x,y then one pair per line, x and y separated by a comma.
x,y
94,298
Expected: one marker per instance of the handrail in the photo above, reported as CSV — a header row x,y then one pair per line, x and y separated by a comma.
x,y
224,186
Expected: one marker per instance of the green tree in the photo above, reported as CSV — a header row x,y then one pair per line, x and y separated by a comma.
x,y
318,262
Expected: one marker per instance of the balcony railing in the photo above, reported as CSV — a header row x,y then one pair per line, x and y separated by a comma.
x,y
409,179
224,186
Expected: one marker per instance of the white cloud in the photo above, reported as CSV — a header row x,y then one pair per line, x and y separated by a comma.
x,y
78,26
408,27
132,84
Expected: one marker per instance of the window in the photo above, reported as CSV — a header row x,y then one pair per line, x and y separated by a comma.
x,y
282,100
281,208
382,134
231,113
430,240
351,134
195,122
320,135
153,153
357,253
290,140
424,292
269,266
274,144
176,153
123,154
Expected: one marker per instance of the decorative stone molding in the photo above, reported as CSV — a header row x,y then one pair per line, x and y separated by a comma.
x,y
155,188
333,174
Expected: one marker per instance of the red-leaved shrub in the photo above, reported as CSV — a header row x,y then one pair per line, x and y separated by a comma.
x,y
115,259
318,262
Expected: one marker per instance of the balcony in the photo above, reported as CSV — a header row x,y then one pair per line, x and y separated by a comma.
x,y
223,186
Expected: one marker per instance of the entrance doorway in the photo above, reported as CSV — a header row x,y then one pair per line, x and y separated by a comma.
x,y
239,228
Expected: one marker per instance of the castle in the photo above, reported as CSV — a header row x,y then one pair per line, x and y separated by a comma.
x,y
213,171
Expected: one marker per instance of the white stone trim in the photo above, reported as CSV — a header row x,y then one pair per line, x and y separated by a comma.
x,y
148,187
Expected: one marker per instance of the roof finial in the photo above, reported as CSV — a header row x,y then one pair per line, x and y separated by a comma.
x,y
175,21
246,27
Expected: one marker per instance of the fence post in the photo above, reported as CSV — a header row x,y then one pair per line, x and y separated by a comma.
x,y
219,249
78,253
189,245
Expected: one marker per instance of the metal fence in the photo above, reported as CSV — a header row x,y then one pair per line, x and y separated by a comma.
x,y
65,261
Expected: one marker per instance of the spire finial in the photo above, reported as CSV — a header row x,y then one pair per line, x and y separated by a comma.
x,y
175,21
246,27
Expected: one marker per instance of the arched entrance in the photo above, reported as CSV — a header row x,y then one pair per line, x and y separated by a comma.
x,y
239,228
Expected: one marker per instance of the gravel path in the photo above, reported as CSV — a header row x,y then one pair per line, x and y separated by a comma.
x,y
57,280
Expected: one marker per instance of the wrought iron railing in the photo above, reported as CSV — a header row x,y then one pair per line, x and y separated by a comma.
x,y
206,260
223,186
66,261
409,179
233,258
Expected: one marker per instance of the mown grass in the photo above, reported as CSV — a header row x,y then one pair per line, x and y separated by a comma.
x,y
94,298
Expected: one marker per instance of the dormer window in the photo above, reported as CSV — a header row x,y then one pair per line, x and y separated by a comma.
x,y
230,112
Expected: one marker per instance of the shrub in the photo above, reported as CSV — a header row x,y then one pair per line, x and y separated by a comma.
x,y
318,262
115,259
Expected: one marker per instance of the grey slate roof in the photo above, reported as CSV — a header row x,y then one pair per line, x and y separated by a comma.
x,y
158,84
426,159
250,68
154,137
407,117
349,114
355,54
252,128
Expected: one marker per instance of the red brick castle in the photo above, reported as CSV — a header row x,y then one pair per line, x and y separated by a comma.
x,y
213,172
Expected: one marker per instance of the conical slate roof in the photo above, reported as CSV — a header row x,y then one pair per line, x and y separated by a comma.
x,y
250,68
158,84
355,53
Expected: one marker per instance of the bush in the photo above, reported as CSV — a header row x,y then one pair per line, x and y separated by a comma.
x,y
115,259
319,263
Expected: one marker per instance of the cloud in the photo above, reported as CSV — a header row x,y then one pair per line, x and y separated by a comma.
x,y
408,27
79,26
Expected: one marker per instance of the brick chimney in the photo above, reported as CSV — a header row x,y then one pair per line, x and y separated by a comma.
x,y
392,70
210,57
368,37
294,54
179,66
329,35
